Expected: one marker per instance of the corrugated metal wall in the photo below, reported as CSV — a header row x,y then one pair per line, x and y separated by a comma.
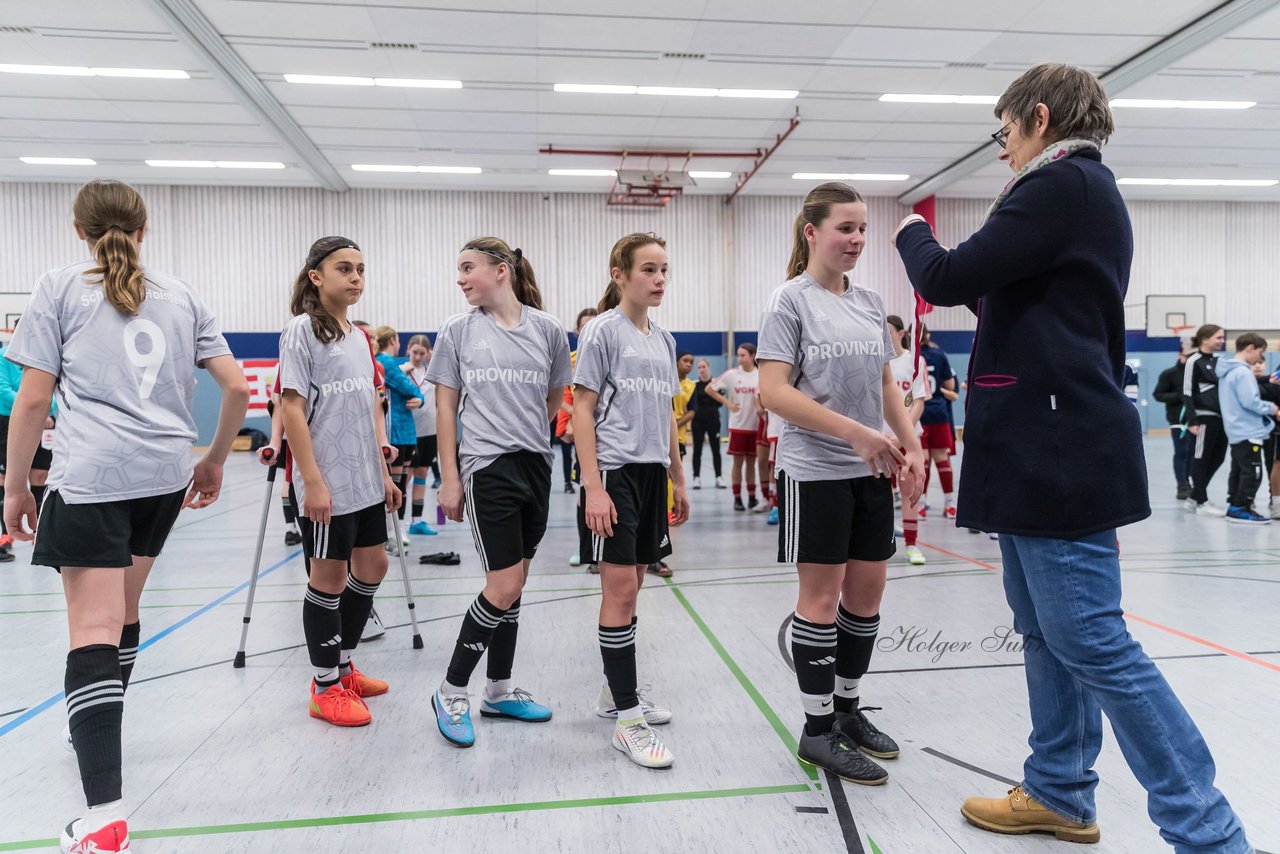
x,y
241,247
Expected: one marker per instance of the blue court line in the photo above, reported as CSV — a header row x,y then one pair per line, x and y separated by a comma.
x,y
163,633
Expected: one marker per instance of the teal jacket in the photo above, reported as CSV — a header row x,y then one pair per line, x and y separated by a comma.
x,y
399,389
10,379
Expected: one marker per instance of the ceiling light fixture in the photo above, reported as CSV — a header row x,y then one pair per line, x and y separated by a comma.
x,y
81,71
674,91
583,173
215,164
413,83
898,98
439,170
1198,182
849,176
1156,104
58,161
328,80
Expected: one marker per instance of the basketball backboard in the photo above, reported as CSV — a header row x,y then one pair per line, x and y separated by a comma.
x,y
1174,316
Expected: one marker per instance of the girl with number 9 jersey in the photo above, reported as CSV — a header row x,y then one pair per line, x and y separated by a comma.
x,y
121,344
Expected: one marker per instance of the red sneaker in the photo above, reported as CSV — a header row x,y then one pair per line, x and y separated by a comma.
x,y
950,513
339,706
361,685
108,839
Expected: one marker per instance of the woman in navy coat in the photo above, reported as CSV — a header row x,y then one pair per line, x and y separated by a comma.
x,y
1054,464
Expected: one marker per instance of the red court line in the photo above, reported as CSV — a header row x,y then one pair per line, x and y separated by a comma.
x,y
1235,653
1243,656
957,556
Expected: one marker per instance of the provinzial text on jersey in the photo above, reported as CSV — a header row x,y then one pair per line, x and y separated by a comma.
x,y
840,349
643,384
506,375
346,386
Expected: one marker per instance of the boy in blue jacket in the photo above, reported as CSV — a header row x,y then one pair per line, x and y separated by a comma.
x,y
1248,421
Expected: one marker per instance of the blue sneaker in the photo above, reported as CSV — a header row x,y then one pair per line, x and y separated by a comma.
x,y
773,516
435,484
1246,516
518,705
422,529
453,717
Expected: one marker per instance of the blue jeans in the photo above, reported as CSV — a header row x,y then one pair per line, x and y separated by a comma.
x,y
1184,450
1081,661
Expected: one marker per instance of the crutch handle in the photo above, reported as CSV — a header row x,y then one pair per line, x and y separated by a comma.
x,y
267,455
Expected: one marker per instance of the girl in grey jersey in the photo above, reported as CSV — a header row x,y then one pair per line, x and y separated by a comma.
x,y
625,430
824,356
331,418
500,368
120,344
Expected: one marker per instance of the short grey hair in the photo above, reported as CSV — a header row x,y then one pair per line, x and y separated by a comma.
x,y
1078,106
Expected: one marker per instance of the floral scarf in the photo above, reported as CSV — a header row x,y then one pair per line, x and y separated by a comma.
x,y
1057,151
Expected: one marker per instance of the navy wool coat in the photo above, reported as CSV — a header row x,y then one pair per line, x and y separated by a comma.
x,y
1052,447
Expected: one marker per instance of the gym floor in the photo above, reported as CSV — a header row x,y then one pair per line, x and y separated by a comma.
x,y
227,759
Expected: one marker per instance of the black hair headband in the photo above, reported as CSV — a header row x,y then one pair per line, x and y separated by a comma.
x,y
320,260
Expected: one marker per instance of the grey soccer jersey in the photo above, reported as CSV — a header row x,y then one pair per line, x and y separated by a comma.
x,y
635,377
125,384
424,417
336,382
837,347
504,377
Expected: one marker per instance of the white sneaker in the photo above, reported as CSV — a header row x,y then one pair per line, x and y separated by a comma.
x,y
993,536
641,744
102,830
764,506
654,714
915,557
1275,509
404,538
1210,509
898,533
720,483
576,560
697,483
1190,505
373,628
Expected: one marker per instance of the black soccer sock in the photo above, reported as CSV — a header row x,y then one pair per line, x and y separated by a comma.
x,y
128,651
813,648
354,608
95,709
618,651
855,641
322,626
38,492
404,493
287,506
477,631
4,529
418,507
502,648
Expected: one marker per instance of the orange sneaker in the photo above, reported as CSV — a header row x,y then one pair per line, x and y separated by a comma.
x,y
339,706
5,541
361,685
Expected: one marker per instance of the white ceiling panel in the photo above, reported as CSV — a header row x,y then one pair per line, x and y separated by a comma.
x,y
841,56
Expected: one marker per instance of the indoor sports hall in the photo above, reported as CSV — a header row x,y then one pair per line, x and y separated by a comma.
x,y
907,488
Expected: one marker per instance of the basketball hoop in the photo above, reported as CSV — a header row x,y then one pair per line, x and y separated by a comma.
x,y
653,186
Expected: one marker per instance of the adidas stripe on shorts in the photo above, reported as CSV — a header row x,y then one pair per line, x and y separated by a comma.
x,y
344,534
640,536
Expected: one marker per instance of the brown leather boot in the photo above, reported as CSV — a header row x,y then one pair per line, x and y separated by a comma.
x,y
1019,813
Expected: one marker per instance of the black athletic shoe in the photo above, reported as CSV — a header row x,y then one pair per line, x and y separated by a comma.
x,y
864,734
738,505
753,503
1184,492
292,538
836,753
6,556
568,489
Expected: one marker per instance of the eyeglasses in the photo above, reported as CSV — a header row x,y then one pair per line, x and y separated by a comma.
x,y
1002,136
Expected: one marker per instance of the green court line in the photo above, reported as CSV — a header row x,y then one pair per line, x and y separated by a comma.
x,y
419,815
765,709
